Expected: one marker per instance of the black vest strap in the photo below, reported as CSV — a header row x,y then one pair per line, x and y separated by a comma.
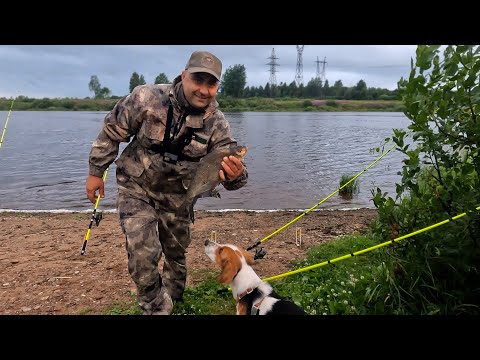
x,y
173,152
168,127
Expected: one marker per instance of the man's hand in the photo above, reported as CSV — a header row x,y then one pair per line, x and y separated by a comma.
x,y
232,168
93,184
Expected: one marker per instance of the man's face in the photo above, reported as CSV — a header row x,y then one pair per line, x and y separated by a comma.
x,y
199,88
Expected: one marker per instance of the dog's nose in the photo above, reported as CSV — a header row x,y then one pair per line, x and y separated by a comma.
x,y
207,242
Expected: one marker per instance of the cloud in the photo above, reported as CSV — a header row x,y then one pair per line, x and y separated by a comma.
x,y
65,70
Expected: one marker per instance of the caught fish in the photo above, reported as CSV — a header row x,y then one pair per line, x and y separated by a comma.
x,y
206,177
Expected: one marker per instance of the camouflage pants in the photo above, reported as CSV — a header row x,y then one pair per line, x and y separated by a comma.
x,y
149,232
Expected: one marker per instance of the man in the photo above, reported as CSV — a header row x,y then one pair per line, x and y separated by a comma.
x,y
171,127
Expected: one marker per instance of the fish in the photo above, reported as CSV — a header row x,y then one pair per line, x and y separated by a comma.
x,y
206,177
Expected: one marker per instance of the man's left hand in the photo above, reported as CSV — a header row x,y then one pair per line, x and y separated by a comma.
x,y
232,168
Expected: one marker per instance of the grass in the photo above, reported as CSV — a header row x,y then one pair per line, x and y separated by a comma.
x,y
341,288
337,288
208,298
351,189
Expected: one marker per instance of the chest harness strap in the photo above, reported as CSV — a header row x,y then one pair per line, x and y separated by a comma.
x,y
172,152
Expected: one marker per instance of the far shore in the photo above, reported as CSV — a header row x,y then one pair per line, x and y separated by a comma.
x,y
226,105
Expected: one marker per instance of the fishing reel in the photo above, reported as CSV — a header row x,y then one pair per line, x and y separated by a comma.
x,y
259,253
98,217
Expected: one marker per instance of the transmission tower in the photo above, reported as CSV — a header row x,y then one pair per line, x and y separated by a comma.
x,y
318,68
299,72
321,75
273,70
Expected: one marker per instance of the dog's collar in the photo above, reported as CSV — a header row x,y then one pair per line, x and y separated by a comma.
x,y
246,292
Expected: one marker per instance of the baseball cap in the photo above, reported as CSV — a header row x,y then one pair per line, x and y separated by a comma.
x,y
203,61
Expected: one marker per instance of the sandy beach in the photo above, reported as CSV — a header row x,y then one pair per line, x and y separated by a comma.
x,y
43,272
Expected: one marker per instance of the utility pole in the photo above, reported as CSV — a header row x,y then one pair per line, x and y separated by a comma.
x,y
273,70
299,72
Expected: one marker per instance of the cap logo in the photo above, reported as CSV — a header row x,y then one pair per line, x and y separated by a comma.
x,y
207,61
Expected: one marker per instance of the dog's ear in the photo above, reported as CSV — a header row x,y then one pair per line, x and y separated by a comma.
x,y
229,263
248,257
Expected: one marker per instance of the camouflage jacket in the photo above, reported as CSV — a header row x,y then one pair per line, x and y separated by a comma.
x,y
141,117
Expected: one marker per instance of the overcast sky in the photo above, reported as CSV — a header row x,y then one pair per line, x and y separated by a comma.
x,y
64,70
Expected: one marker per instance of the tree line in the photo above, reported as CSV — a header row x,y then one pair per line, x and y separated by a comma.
x,y
234,81
135,80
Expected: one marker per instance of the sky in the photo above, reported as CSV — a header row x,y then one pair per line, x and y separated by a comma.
x,y
61,71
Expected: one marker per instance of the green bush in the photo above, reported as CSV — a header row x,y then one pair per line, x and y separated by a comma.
x,y
437,271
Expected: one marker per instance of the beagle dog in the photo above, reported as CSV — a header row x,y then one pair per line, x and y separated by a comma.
x,y
253,295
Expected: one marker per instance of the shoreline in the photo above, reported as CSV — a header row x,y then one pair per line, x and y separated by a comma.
x,y
114,211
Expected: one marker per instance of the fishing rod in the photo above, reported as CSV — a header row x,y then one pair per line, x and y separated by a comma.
x,y
96,217
260,253
359,252
388,242
6,122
